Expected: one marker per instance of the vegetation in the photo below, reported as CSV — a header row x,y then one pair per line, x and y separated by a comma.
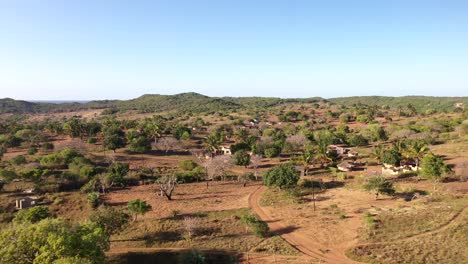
x,y
281,176
380,185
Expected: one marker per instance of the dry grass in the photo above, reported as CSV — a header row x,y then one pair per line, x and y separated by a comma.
x,y
440,235
220,230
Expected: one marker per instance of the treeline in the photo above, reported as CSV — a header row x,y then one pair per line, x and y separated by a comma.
x,y
422,104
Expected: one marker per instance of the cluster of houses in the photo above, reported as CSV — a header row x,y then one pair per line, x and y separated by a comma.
x,y
406,166
344,151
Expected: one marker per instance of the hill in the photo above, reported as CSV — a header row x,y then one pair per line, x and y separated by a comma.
x,y
421,103
198,103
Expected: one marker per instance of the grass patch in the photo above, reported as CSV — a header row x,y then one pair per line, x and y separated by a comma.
x,y
409,221
393,230
277,245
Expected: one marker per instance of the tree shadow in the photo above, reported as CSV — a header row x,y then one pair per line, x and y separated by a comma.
x,y
284,230
333,184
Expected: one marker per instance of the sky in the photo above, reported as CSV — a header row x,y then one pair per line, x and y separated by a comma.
x,y
88,49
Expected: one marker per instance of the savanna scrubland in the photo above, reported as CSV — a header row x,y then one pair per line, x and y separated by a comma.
x,y
195,179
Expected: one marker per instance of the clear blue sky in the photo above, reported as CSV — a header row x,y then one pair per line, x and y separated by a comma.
x,y
99,49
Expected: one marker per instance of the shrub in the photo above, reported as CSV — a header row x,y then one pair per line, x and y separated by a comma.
x,y
259,228
47,146
92,140
272,152
187,165
241,158
94,199
283,175
18,160
111,220
32,150
32,215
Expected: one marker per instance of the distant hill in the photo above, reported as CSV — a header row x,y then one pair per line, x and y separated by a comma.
x,y
421,103
198,103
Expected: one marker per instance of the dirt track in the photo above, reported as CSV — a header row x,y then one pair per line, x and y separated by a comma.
x,y
301,242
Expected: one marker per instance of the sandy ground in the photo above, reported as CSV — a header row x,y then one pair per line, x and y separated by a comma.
x,y
187,198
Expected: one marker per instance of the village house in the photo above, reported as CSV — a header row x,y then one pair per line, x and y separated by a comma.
x,y
346,166
26,202
225,150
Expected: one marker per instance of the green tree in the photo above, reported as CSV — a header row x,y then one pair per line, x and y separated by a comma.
x,y
138,207
212,142
74,128
391,157
281,176
51,240
114,138
109,219
380,185
32,215
137,142
433,168
241,158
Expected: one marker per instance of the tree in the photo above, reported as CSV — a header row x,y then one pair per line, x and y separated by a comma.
x,y
217,166
167,143
153,127
241,158
138,207
357,140
256,160
416,149
375,133
281,176
137,142
212,142
74,128
380,185
307,157
433,168
51,240
377,152
111,220
167,185
391,157
297,142
32,215
114,138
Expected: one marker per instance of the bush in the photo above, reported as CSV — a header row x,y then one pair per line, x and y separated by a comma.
x,y
32,150
272,152
32,215
92,140
357,140
18,160
241,158
111,220
283,175
47,146
187,165
259,228
94,199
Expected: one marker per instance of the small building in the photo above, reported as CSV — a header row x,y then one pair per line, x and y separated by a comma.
x,y
391,170
224,150
341,150
346,166
26,202
352,153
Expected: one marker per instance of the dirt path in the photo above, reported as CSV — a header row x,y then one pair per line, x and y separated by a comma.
x,y
301,242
